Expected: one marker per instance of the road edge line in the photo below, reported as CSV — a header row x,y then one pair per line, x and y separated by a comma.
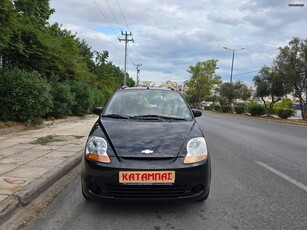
x,y
284,176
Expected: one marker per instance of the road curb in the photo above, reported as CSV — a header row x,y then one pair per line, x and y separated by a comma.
x,y
18,128
36,187
296,122
8,207
9,130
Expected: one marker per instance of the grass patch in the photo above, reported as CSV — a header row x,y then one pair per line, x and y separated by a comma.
x,y
7,124
47,139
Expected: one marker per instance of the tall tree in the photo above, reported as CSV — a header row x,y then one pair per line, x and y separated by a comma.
x,y
203,78
242,91
109,76
291,64
7,19
269,83
29,42
237,90
227,90
37,11
25,47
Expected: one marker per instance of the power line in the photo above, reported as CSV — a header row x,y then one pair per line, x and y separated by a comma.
x,y
105,17
134,53
137,53
122,15
246,73
242,73
125,22
113,15
103,13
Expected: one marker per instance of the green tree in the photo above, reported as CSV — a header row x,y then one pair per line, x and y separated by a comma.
x,y
291,64
227,90
242,91
37,11
25,47
7,20
212,98
237,90
269,83
28,42
203,78
109,76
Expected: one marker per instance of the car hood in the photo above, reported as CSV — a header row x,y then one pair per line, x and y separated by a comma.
x,y
137,139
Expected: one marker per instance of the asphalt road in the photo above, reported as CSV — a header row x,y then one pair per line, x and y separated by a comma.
x,y
259,182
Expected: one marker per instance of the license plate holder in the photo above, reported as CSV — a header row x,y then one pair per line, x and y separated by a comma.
x,y
146,177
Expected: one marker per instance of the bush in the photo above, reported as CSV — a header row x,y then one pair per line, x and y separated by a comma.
x,y
225,109
98,98
285,113
217,108
239,109
274,110
24,96
63,99
255,109
84,100
212,107
285,103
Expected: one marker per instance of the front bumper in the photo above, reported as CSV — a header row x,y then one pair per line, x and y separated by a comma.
x,y
101,181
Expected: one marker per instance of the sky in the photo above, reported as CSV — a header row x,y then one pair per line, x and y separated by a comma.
x,y
171,35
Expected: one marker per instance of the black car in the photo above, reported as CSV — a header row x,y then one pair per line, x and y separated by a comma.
x,y
146,145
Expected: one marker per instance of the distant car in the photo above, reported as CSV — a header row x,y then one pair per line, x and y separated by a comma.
x,y
146,145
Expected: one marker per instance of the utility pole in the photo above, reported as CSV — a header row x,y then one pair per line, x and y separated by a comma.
x,y
126,42
137,73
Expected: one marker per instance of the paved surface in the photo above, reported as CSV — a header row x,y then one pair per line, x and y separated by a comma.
x,y
28,168
244,194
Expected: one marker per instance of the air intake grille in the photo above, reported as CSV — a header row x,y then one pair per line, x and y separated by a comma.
x,y
145,191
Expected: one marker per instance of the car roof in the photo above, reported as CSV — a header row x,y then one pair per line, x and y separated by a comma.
x,y
148,88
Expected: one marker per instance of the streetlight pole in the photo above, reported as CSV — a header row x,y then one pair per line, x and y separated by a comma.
x,y
233,57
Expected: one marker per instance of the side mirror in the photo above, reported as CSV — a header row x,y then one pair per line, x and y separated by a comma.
x,y
97,110
196,112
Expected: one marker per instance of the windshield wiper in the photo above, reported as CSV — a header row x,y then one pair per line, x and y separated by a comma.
x,y
117,116
173,118
158,117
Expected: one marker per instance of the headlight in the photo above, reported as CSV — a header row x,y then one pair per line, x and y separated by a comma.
x,y
96,149
197,150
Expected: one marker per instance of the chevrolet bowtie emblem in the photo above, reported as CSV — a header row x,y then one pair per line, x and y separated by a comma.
x,y
147,151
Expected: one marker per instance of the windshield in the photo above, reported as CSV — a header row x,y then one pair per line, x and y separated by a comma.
x,y
138,103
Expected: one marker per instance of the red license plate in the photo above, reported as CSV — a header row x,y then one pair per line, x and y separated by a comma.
x,y
146,177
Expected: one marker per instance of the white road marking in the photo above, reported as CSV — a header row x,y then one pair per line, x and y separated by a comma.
x,y
291,180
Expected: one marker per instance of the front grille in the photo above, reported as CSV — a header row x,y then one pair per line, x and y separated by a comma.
x,y
145,191
148,158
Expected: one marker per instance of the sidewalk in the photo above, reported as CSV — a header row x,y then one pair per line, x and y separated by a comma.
x,y
28,168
